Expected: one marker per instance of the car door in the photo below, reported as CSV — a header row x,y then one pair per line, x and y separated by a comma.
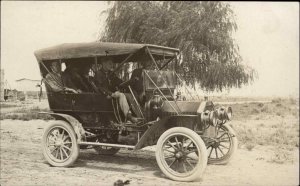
x,y
82,102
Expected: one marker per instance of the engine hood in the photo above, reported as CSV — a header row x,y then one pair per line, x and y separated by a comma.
x,y
186,107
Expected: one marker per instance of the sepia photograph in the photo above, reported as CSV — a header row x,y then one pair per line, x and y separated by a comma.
x,y
116,93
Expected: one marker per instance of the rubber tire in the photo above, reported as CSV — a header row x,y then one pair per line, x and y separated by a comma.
x,y
75,147
101,151
199,142
225,159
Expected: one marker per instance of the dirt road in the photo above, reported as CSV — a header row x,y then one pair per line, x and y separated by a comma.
x,y
22,163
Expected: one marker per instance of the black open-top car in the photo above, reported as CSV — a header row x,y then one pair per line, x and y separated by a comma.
x,y
188,134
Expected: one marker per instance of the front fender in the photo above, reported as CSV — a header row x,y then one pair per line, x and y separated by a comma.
x,y
76,125
151,136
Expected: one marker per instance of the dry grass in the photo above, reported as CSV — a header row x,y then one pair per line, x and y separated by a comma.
x,y
275,134
281,156
278,107
27,114
273,124
8,105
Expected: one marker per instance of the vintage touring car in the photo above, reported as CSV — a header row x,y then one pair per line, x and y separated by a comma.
x,y
188,134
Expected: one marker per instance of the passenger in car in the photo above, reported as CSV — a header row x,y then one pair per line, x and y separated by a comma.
x,y
54,79
107,81
70,77
86,82
137,82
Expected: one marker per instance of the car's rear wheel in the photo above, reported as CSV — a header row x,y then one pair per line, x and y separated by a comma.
x,y
176,154
223,147
60,147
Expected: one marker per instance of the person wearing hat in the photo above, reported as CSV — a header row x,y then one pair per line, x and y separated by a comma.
x,y
54,80
108,81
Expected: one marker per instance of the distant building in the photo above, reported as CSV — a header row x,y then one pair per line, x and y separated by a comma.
x,y
29,87
25,84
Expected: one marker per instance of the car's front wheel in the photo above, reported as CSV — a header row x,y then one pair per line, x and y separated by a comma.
x,y
60,147
176,154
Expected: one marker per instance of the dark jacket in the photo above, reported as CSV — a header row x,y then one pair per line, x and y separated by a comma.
x,y
137,83
72,79
107,80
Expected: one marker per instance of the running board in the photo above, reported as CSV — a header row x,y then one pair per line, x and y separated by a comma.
x,y
107,145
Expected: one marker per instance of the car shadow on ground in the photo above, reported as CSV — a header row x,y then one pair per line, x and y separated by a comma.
x,y
124,161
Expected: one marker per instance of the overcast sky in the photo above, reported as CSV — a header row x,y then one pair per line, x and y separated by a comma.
x,y
268,37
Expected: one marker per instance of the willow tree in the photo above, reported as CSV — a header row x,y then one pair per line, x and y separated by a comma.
x,y
203,31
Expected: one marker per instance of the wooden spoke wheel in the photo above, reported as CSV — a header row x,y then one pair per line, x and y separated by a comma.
x,y
176,154
60,147
223,146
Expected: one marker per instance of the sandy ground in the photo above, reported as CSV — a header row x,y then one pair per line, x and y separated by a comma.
x,y
22,163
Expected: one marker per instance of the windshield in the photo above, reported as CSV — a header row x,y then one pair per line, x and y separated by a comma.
x,y
162,79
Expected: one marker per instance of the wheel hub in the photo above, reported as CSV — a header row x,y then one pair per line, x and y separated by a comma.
x,y
179,155
216,144
59,142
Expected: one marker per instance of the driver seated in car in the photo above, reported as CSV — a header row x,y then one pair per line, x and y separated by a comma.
x,y
106,79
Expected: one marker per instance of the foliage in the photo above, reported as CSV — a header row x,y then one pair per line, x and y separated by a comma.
x,y
201,30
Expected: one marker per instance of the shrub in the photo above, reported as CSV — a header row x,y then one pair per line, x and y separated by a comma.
x,y
265,109
281,156
260,104
276,100
254,111
295,113
293,101
250,146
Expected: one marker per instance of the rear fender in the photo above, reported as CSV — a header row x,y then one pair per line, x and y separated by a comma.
x,y
75,124
151,136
